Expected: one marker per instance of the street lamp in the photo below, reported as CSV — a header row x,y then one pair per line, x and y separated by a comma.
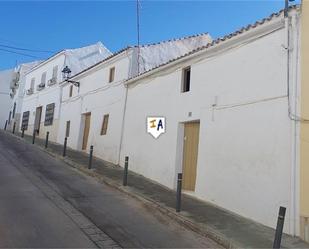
x,y
66,73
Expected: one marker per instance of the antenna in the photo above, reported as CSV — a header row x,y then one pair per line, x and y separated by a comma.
x,y
138,37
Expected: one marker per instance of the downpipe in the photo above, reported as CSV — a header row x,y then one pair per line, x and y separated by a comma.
x,y
292,95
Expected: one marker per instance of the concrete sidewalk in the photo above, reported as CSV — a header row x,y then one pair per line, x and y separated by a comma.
x,y
228,229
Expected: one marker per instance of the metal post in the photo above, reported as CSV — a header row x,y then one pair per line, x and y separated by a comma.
x,y
279,228
178,193
6,124
65,147
33,137
125,173
22,132
286,8
14,126
90,157
46,140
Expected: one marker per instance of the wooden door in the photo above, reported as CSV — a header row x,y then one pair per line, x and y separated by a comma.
x,y
86,130
37,121
190,154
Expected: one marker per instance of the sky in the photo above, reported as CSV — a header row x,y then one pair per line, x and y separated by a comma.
x,y
50,26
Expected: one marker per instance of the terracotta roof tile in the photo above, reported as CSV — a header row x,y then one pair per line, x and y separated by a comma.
x,y
222,39
173,40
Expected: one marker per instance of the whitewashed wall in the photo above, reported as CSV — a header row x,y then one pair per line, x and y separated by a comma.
x,y
18,97
77,60
48,95
98,96
5,99
245,146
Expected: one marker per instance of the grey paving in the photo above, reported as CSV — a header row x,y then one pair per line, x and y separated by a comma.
x,y
113,215
28,218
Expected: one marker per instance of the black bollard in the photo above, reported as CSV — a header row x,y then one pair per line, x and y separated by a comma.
x,y
65,147
279,228
46,140
6,124
125,172
14,126
22,132
90,157
178,193
33,137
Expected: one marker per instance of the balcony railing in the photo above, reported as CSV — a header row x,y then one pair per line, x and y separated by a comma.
x,y
40,86
52,81
29,91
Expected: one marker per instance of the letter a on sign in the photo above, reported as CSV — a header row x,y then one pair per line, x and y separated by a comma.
x,y
155,126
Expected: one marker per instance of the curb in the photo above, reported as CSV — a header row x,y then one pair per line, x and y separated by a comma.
x,y
183,221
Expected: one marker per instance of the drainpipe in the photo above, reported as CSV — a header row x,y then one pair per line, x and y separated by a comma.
x,y
296,169
291,110
131,56
59,111
60,99
122,122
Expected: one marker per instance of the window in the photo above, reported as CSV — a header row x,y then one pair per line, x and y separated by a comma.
x,y
14,109
55,72
186,75
67,130
71,91
10,116
43,78
104,124
111,74
32,83
25,120
49,114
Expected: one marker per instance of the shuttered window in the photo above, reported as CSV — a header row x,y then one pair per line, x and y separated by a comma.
x,y
49,114
104,124
43,78
25,120
32,83
14,110
71,91
55,72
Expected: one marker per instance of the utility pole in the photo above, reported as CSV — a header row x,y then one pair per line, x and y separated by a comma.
x,y
138,37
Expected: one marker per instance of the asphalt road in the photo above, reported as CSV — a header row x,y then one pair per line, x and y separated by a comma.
x,y
45,203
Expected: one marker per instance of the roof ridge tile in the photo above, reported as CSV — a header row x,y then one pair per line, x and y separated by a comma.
x,y
223,38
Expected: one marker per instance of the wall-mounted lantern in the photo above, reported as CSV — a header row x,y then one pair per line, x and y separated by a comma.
x,y
66,73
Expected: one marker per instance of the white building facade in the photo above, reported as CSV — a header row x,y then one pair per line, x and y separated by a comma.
x,y
41,103
229,130
83,109
6,77
93,113
229,108
17,93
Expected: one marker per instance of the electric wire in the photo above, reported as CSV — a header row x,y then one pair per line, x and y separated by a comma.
x,y
27,49
20,53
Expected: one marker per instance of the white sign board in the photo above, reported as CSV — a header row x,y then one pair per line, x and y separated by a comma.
x,y
155,126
